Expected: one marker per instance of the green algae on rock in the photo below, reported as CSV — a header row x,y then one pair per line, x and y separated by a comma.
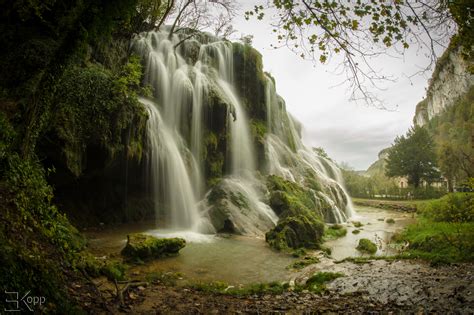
x,y
300,224
367,246
143,246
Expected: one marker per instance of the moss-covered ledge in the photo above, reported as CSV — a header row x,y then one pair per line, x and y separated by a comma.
x,y
300,223
142,246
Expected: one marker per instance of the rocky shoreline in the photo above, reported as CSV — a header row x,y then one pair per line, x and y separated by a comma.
x,y
376,287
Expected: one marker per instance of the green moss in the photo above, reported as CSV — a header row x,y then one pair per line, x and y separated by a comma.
x,y
300,252
216,194
357,224
368,259
367,246
355,231
95,267
214,158
296,231
290,198
250,80
316,283
390,221
306,261
146,246
299,224
258,129
334,231
239,200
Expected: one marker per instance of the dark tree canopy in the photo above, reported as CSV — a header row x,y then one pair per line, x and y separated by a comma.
x,y
413,156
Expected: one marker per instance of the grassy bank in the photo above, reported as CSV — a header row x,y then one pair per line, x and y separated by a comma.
x,y
444,232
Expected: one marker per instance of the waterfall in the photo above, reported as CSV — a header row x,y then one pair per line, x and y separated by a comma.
x,y
185,78
289,158
242,155
168,166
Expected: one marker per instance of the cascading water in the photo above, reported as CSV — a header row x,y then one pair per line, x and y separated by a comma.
x,y
241,153
167,164
289,158
184,77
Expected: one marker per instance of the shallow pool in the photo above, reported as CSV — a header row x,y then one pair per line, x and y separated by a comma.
x,y
240,259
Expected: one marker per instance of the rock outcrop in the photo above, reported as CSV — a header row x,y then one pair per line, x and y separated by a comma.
x,y
451,79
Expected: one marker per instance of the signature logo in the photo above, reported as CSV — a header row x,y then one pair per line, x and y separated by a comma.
x,y
16,301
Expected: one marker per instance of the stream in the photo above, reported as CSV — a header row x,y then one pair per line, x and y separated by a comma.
x,y
241,259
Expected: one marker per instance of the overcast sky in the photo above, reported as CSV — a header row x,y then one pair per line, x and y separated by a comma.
x,y
348,132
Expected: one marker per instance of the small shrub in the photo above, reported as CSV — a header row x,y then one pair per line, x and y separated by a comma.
x,y
454,207
439,242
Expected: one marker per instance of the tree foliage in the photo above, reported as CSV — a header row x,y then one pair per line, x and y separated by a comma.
x,y
413,156
355,31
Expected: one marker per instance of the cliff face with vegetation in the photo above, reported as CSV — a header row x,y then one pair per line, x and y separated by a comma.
x,y
447,113
452,78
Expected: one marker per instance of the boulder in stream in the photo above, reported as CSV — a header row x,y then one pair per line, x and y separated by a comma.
x,y
144,246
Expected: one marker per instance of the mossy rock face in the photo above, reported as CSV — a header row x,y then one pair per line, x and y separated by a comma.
x,y
300,222
366,246
143,246
250,80
295,232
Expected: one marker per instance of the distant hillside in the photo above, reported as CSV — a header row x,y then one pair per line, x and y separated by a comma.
x,y
378,167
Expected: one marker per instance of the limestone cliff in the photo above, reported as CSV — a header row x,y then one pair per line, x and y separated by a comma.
x,y
451,79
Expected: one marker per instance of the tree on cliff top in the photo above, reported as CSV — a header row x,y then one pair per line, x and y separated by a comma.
x,y
413,156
